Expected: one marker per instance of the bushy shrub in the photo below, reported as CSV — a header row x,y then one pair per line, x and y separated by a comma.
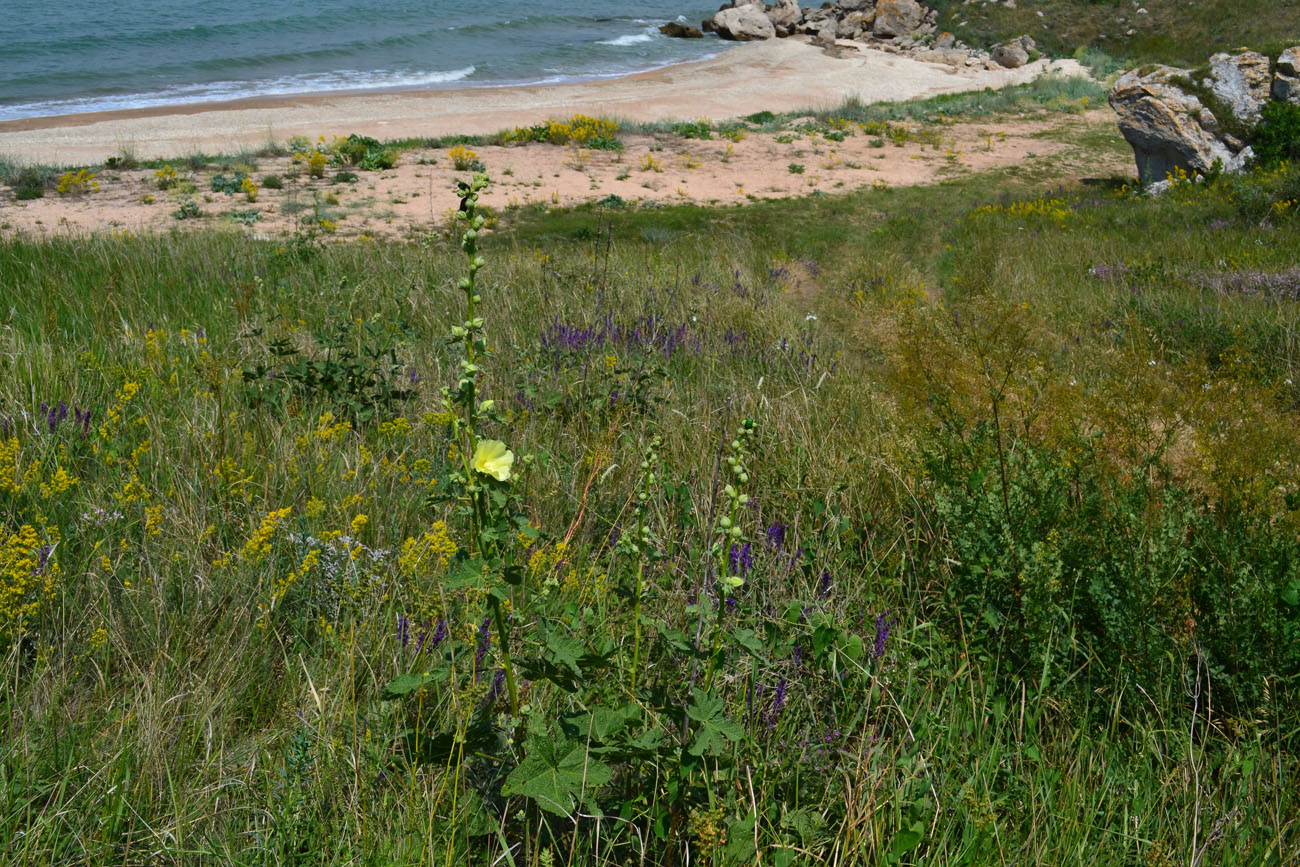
x,y
1277,138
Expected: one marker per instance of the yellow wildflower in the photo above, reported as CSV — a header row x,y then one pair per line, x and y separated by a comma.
x,y
492,458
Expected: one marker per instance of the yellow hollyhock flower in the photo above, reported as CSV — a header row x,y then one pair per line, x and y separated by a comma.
x,y
492,458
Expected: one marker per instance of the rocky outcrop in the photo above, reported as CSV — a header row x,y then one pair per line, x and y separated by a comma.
x,y
1241,82
785,16
904,24
1169,128
1286,76
742,24
681,31
896,18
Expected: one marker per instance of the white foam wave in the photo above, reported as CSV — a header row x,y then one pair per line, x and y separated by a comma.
x,y
342,81
628,39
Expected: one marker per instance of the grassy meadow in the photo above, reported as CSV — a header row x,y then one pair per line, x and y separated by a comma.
x,y
944,525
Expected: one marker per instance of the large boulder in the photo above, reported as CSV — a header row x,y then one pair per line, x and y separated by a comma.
x,y
897,18
854,25
1286,76
816,20
742,24
1012,55
1241,81
785,16
1168,128
681,31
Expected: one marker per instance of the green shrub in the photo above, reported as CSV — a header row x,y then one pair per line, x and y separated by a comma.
x,y
364,152
273,182
228,184
1277,138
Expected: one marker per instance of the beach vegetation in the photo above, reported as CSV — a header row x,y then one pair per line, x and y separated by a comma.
x,y
651,163
188,210
696,129
363,152
594,133
165,177
795,168
77,183
463,159
273,182
228,184
249,188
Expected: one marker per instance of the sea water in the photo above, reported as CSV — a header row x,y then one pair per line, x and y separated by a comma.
x,y
89,55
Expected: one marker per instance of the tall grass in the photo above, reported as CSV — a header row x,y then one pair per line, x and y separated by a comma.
x,y
1017,567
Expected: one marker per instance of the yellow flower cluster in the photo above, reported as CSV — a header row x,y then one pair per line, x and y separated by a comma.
x,y
9,480
80,181
258,546
462,158
58,483
281,586
113,415
579,129
28,576
1053,209
418,556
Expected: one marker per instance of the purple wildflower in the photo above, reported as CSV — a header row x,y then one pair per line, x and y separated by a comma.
x,y
43,559
883,625
83,419
484,639
404,630
741,559
825,589
776,534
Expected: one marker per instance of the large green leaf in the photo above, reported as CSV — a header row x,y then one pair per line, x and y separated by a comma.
x,y
713,729
557,774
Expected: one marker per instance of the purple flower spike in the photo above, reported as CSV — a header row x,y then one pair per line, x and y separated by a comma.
x,y
883,624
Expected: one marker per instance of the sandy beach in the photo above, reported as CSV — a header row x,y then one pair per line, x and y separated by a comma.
x,y
777,75
653,168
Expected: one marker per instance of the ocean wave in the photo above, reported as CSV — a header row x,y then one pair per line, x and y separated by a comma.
x,y
629,39
222,91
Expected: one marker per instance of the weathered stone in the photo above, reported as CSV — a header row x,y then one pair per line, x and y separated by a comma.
x,y
1286,88
897,17
1288,62
1286,78
1168,128
854,25
1241,81
846,6
825,38
743,24
785,16
1011,55
946,56
681,31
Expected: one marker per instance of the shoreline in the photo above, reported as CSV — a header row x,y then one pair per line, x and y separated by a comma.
x,y
776,75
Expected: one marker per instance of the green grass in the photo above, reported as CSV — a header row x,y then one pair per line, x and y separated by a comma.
x,y
1182,34
1023,535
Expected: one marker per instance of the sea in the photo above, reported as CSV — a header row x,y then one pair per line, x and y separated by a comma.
x,y
75,56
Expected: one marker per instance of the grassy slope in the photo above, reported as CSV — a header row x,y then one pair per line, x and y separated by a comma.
x,y
1176,32
1037,439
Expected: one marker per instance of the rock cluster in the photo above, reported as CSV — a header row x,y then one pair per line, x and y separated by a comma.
x,y
1181,119
894,25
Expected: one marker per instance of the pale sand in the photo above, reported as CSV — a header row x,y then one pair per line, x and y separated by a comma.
x,y
777,75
